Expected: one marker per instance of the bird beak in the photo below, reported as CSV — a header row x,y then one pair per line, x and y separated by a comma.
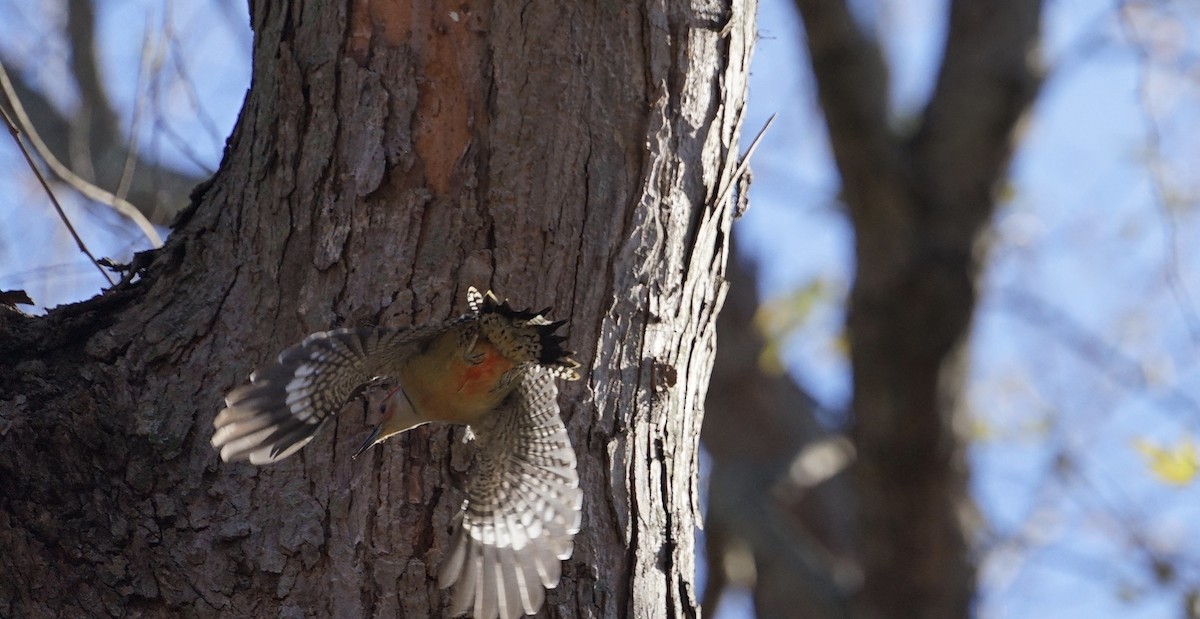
x,y
398,416
367,443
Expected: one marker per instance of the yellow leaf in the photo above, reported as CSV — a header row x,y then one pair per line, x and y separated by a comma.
x,y
1176,465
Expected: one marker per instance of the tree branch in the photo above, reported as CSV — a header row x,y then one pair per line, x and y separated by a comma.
x,y
16,136
852,87
64,173
91,145
987,81
101,122
852,83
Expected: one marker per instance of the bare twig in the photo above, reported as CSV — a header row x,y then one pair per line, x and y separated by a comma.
x,y
89,190
16,135
179,59
745,163
150,49
183,145
1158,182
1089,347
159,188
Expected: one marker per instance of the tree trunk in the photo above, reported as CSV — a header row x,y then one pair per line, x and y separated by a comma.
x,y
786,528
919,206
388,156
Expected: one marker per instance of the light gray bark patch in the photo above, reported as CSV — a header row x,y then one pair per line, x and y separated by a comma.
x,y
333,228
366,145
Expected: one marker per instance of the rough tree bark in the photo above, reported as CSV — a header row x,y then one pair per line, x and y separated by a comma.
x,y
387,156
919,205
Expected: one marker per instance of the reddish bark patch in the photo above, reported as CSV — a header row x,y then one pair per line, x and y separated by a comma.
x,y
448,55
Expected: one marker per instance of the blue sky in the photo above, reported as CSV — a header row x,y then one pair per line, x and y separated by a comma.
x,y
1084,340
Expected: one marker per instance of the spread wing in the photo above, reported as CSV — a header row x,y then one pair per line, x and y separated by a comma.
x,y
522,509
285,404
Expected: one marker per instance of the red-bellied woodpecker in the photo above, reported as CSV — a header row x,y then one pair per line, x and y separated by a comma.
x,y
492,369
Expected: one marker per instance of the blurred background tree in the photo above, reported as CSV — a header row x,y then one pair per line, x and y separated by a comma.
x,y
1067,390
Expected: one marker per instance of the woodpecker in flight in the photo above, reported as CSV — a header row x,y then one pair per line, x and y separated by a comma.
x,y
493,370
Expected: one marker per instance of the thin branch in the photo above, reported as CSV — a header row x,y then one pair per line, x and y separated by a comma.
x,y
1092,348
179,59
149,50
89,190
1158,182
91,142
16,135
745,163
181,144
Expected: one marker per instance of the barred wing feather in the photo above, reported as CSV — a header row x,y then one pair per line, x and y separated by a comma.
x,y
522,509
285,404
